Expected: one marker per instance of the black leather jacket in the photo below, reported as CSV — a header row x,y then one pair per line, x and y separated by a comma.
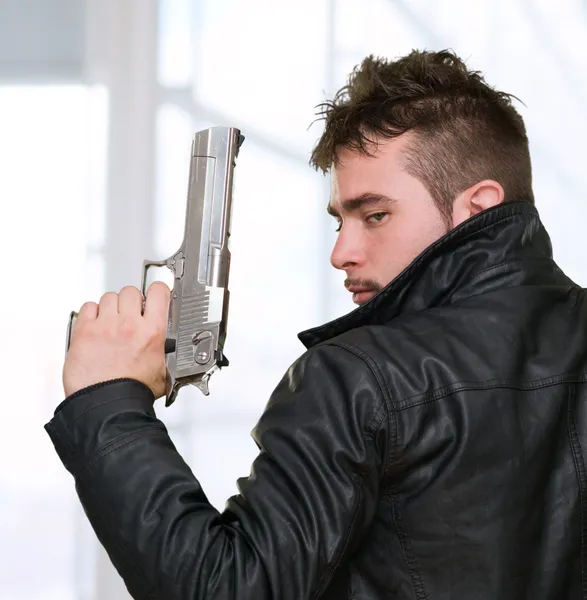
x,y
428,445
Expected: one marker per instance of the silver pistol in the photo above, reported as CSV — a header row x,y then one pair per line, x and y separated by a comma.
x,y
198,311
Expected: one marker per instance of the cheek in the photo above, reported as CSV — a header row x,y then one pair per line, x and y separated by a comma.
x,y
403,240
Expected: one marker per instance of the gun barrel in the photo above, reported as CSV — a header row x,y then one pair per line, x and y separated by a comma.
x,y
214,153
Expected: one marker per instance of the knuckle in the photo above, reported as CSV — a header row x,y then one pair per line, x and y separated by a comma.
x,y
155,333
108,296
107,331
128,328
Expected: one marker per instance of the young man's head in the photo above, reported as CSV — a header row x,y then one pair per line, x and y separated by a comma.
x,y
415,147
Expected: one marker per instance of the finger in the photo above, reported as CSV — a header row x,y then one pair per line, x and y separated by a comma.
x,y
130,301
88,311
108,305
157,303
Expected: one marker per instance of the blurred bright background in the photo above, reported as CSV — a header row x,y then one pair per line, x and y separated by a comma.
x,y
99,100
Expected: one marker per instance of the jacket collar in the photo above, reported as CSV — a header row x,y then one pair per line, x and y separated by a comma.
x,y
470,259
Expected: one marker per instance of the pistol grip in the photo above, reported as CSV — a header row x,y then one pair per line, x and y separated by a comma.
x,y
70,325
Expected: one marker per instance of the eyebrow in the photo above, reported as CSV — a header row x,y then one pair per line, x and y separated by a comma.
x,y
354,204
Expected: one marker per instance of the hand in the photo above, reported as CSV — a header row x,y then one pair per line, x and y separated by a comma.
x,y
113,340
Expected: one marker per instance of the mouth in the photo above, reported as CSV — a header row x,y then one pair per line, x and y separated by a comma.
x,y
361,295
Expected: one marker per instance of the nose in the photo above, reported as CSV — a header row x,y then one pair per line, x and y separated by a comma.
x,y
347,252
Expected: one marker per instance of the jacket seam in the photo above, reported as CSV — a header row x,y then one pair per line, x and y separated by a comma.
x,y
408,555
580,471
463,386
387,405
511,262
122,440
366,358
104,403
68,450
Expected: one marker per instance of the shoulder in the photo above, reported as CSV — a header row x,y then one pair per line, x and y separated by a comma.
x,y
401,338
329,383
413,354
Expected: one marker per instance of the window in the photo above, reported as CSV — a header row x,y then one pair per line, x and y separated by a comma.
x,y
52,147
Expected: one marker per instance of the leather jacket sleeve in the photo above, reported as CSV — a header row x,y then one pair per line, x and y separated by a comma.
x,y
307,504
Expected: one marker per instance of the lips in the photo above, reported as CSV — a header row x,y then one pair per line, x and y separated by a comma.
x,y
361,295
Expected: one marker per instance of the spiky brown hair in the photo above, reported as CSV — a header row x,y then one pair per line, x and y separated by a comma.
x,y
465,130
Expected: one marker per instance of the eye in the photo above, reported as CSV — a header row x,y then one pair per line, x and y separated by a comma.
x,y
377,217
339,226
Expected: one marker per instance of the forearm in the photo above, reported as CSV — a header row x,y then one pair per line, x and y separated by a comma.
x,y
145,505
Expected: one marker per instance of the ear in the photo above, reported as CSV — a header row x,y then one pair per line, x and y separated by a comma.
x,y
479,197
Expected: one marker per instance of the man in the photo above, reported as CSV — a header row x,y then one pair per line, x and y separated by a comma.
x,y
429,444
